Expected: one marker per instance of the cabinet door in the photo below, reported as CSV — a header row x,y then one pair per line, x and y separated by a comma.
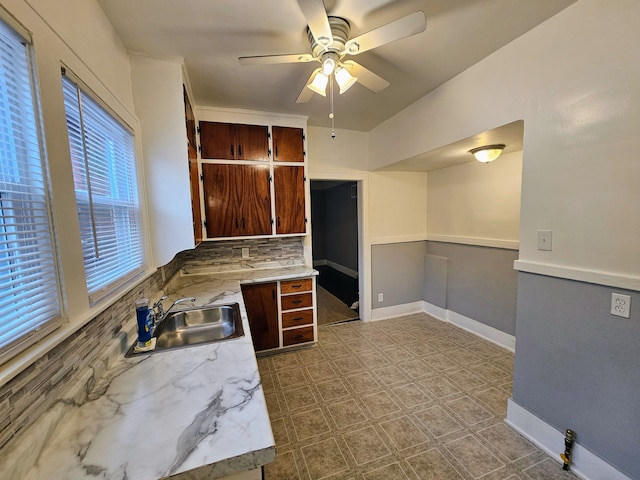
x,y
252,142
289,196
221,200
262,312
255,199
217,140
288,144
194,181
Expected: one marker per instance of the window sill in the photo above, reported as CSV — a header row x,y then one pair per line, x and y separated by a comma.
x,y
23,360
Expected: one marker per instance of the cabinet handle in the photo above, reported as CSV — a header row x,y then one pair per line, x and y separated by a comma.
x,y
296,286
243,224
297,319
236,222
273,294
298,337
232,150
276,151
239,150
295,302
278,221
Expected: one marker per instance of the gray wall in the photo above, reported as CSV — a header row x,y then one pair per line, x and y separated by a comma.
x,y
318,227
578,367
335,225
480,282
397,271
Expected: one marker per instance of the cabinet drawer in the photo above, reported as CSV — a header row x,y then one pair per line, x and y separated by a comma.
x,y
299,300
296,319
297,335
295,286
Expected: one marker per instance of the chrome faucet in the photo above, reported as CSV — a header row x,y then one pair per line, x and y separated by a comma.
x,y
158,313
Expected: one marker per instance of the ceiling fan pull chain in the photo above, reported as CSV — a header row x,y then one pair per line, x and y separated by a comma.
x,y
331,114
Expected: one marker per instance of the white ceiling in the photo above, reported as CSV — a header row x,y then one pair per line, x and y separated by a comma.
x,y
211,34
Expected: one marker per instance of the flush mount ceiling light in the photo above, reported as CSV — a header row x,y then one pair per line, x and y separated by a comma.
x,y
488,153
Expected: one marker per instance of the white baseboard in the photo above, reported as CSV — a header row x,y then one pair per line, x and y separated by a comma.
x,y
336,266
478,328
584,464
397,310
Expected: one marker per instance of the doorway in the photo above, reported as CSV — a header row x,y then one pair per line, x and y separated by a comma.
x,y
335,249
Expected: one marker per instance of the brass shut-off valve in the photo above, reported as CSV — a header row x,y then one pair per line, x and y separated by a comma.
x,y
569,438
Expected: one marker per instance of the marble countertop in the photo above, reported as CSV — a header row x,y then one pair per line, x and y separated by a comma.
x,y
194,413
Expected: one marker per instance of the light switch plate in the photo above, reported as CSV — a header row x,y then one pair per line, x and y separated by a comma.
x,y
544,240
245,252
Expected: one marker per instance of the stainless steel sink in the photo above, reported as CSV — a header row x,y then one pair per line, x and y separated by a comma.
x,y
195,326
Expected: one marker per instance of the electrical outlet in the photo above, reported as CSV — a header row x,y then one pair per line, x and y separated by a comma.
x,y
245,252
380,297
620,305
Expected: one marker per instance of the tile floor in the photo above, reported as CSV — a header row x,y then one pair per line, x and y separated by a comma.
x,y
405,398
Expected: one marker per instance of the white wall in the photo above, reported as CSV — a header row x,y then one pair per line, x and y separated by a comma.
x,y
476,203
573,80
157,86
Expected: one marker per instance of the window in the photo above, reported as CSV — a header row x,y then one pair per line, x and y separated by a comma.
x,y
104,175
29,289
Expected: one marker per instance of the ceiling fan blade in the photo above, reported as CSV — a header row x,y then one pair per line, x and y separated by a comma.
x,y
366,77
274,59
401,28
307,93
316,15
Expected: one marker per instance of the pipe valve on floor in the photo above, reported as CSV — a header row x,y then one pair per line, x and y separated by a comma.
x,y
569,438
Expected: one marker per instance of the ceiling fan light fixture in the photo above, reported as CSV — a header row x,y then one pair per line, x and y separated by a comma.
x,y
487,153
345,79
319,84
329,63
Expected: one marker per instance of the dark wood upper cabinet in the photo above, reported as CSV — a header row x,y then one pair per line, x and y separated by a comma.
x,y
228,141
288,144
289,199
192,156
262,312
237,200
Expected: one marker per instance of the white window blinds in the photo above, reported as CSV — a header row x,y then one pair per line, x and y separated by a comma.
x,y
29,290
104,175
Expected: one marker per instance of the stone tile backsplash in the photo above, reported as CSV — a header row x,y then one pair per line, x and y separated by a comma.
x,y
35,389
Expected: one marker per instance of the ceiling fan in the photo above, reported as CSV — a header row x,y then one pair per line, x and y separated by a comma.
x,y
330,45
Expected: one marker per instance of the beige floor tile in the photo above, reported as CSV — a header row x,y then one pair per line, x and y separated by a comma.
x,y
390,375
366,445
464,378
273,404
324,459
389,472
285,361
346,413
441,362
282,468
495,400
309,424
415,368
320,371
291,378
507,442
280,432
438,421
380,404
348,365
410,395
332,390
489,372
469,411
438,386
299,398
373,361
362,382
548,470
432,465
311,355
403,433
473,456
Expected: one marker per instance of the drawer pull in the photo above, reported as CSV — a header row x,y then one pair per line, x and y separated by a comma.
x,y
297,319
295,302
299,336
296,286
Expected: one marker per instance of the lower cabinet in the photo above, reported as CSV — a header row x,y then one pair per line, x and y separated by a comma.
x,y
261,303
285,323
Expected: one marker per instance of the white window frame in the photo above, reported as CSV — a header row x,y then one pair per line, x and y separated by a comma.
x,y
110,214
30,291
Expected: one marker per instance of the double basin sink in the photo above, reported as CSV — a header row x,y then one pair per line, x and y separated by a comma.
x,y
195,326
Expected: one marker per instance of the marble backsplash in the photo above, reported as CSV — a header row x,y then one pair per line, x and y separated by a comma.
x,y
80,358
